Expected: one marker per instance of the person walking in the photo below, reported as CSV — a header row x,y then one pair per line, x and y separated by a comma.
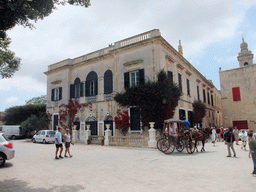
x,y
252,152
243,139
218,134
213,135
229,139
58,143
67,141
222,134
236,132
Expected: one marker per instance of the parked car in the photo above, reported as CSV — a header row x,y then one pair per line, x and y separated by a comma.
x,y
6,149
240,133
12,131
45,136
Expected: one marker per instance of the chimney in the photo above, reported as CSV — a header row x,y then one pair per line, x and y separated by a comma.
x,y
180,48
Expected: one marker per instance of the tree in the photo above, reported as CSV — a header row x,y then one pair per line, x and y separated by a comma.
x,y
8,62
21,12
199,110
122,121
37,100
16,115
68,112
34,123
156,100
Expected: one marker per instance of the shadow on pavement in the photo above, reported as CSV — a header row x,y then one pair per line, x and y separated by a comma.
x,y
7,165
19,185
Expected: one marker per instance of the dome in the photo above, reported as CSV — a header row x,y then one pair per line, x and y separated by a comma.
x,y
244,45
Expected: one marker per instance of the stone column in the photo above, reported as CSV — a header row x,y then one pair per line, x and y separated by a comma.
x,y
87,133
152,136
107,134
74,134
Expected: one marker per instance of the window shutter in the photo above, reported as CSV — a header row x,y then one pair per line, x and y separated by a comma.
x,y
72,91
188,87
170,76
141,76
81,89
198,93
236,94
108,82
87,88
52,97
96,86
60,93
126,80
180,81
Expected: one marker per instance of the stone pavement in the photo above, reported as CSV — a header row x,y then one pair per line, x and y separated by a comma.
x,y
102,168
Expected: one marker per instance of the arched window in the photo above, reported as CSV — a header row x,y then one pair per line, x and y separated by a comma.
x,y
76,89
91,84
108,82
245,64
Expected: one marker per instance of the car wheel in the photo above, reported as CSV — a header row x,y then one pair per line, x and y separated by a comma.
x,y
44,142
34,141
2,160
13,137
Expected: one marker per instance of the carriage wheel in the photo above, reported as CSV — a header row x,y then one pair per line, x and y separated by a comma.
x,y
171,148
164,145
180,146
190,147
159,142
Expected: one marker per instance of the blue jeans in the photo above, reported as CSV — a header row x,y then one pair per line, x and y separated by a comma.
x,y
254,161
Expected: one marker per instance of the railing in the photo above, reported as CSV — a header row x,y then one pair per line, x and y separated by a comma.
x,y
91,99
118,44
137,38
108,97
129,141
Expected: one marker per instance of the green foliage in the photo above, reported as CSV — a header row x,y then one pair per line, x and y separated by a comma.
x,y
156,100
37,100
34,123
21,12
199,110
17,12
8,62
16,115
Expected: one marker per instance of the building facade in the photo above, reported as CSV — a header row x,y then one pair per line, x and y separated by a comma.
x,y
238,92
96,77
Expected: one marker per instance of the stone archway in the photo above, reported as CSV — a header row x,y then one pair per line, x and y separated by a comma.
x,y
109,120
92,121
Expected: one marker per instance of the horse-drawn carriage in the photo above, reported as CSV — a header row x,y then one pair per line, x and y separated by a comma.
x,y
175,137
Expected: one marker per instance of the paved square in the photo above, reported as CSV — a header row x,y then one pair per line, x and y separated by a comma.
x,y
103,168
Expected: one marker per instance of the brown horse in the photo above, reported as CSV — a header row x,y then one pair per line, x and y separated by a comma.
x,y
200,135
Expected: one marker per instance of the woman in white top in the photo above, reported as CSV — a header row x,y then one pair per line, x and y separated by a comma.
x,y
213,135
67,140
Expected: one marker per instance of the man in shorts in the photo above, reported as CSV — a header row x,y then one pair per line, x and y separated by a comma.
x,y
58,143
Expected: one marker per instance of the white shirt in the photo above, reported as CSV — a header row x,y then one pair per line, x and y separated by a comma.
x,y
67,136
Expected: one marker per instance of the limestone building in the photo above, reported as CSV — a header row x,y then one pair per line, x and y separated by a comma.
x,y
97,76
238,92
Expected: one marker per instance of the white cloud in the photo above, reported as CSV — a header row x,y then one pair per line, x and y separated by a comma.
x,y
24,83
11,100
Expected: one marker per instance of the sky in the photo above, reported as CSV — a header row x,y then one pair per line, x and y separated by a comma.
x,y
210,32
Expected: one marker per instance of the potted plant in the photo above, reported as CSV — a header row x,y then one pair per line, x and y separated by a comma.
x,y
89,139
102,140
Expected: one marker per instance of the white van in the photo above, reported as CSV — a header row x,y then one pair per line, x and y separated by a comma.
x,y
11,131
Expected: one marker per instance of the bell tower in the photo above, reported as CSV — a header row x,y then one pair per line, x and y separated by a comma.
x,y
245,57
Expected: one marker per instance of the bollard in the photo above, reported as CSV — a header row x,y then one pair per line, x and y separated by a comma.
x,y
87,134
107,134
152,136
